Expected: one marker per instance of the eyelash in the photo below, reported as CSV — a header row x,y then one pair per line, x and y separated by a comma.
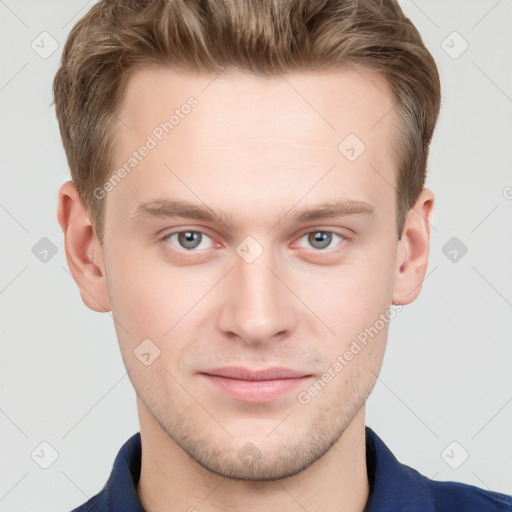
x,y
204,233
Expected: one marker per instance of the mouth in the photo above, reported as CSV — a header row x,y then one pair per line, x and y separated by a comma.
x,y
255,386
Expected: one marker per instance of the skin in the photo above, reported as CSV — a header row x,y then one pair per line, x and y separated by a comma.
x,y
255,149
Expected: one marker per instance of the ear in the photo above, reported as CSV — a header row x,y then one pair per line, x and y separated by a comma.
x,y
83,250
413,250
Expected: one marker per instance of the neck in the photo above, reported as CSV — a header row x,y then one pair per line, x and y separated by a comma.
x,y
170,480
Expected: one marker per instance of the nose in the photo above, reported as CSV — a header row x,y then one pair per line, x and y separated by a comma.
x,y
257,307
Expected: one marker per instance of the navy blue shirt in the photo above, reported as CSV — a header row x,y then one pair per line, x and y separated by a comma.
x,y
394,486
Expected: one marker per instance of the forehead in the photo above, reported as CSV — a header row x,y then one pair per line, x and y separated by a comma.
x,y
238,135
328,102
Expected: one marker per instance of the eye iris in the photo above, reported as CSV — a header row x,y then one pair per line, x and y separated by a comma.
x,y
189,239
320,239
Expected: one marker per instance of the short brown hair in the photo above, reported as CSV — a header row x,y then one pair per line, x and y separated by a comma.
x,y
266,37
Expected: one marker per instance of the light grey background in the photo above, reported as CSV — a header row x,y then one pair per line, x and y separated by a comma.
x,y
447,374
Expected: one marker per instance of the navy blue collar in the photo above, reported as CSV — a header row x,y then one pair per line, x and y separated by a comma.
x,y
393,486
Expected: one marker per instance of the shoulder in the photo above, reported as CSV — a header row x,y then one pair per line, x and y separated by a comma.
x,y
455,496
398,487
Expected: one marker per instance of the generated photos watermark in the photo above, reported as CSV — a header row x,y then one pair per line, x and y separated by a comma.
x,y
342,360
156,136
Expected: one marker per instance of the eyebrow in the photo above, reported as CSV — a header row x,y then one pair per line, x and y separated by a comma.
x,y
167,208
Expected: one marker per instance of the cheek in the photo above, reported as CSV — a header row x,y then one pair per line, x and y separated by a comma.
x,y
156,308
148,296
352,297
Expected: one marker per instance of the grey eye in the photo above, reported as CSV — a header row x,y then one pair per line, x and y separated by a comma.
x,y
189,239
321,239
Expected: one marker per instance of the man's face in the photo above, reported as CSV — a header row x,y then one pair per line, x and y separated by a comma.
x,y
261,288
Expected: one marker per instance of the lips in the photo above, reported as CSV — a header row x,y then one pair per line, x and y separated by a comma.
x,y
256,386
239,373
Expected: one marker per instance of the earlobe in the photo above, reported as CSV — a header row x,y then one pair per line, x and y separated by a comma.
x,y
413,250
83,251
